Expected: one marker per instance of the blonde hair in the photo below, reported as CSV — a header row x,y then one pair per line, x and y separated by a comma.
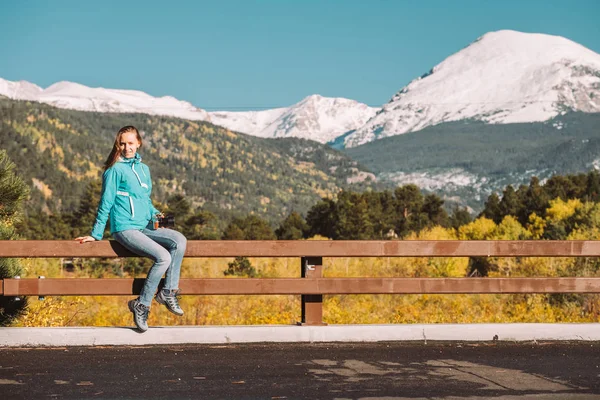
x,y
114,155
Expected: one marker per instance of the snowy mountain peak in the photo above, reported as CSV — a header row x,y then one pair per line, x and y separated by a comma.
x,y
312,97
21,89
315,117
502,77
548,46
66,87
75,96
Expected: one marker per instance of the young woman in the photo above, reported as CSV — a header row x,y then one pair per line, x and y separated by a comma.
x,y
126,188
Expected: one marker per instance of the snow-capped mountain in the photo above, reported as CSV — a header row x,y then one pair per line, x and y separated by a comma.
x,y
79,97
250,122
316,117
21,90
502,77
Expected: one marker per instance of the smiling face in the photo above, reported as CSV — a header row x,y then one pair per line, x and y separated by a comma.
x,y
129,144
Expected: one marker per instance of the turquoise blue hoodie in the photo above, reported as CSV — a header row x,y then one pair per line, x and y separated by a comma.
x,y
126,188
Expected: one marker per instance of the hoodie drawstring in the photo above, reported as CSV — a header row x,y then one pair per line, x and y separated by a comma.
x,y
138,177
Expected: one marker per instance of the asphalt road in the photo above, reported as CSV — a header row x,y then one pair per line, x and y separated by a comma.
x,y
305,371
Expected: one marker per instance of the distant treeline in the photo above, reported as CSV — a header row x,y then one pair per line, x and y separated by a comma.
x,y
347,216
350,215
530,202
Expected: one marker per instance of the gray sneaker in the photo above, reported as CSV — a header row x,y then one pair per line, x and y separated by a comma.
x,y
170,299
140,314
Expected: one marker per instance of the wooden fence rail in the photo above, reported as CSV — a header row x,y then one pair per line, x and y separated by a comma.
x,y
317,248
311,286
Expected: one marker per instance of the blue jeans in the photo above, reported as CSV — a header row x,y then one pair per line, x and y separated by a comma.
x,y
165,246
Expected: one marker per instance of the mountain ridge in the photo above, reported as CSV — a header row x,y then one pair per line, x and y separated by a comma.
x,y
315,117
502,77
468,160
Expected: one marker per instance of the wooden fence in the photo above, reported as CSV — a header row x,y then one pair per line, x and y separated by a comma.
x,y
311,285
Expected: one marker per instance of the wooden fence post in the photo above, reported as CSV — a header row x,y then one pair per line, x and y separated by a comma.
x,y
312,304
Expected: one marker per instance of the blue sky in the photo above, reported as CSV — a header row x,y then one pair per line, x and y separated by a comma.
x,y
251,54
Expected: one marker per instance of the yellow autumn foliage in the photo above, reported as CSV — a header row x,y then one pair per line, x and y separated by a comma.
x,y
348,309
480,229
560,209
536,226
511,229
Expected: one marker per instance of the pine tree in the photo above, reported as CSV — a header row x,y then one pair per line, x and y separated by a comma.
x,y
203,225
249,228
294,227
461,216
322,219
353,220
381,213
592,190
433,207
13,191
535,200
560,186
409,203
241,266
85,215
180,208
510,203
492,208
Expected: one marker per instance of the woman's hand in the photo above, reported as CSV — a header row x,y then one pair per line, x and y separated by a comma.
x,y
83,239
160,215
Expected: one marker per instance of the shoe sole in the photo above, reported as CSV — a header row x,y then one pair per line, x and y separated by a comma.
x,y
164,303
130,305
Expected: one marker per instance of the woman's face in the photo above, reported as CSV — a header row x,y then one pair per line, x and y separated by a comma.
x,y
129,144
